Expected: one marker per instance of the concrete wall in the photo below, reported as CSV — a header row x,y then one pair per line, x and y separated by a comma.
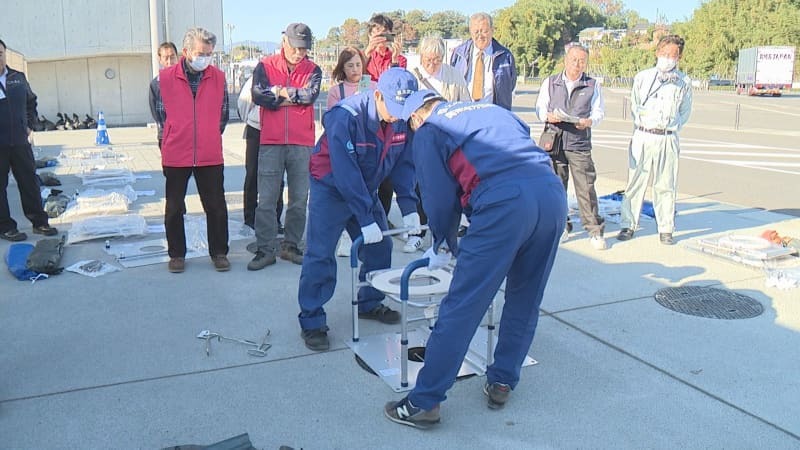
x,y
16,60
81,86
86,56
183,14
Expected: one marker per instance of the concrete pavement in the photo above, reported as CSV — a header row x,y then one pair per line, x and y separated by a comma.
x,y
113,362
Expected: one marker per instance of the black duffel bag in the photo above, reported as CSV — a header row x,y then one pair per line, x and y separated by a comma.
x,y
46,256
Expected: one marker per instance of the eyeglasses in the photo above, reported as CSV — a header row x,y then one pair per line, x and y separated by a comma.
x,y
431,59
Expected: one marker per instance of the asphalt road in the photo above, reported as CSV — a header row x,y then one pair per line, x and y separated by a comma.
x,y
756,165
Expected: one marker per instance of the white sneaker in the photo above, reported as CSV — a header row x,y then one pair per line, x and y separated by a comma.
x,y
344,245
598,242
413,244
565,235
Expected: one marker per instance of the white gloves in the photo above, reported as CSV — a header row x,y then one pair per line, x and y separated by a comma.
x,y
372,233
411,221
437,260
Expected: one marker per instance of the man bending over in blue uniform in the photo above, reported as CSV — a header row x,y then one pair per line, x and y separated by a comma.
x,y
480,158
364,143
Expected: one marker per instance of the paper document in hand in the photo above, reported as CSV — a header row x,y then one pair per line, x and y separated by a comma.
x,y
564,117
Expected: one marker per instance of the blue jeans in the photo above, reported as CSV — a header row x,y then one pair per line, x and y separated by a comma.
x,y
328,215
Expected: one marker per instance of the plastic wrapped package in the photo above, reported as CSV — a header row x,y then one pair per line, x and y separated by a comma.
x,y
196,232
786,278
92,268
748,250
96,205
126,190
97,155
107,226
107,177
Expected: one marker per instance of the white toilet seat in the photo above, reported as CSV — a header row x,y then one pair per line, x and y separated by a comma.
x,y
388,282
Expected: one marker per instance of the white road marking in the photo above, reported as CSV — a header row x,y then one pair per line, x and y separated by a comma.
x,y
759,157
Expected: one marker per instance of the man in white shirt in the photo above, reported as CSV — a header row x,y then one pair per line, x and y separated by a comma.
x,y
571,103
433,74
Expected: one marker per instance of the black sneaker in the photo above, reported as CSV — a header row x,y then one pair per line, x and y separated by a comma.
x,y
260,261
462,231
13,235
497,394
403,412
382,314
316,339
666,238
625,234
46,230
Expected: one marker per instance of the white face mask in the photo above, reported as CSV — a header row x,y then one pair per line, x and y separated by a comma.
x,y
199,63
666,64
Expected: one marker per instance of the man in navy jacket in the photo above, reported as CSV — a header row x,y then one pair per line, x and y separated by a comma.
x,y
480,159
364,143
17,116
496,82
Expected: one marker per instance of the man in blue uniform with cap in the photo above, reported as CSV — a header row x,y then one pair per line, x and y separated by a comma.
x,y
480,158
364,143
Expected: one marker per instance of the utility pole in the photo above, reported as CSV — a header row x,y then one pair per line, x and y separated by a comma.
x,y
232,78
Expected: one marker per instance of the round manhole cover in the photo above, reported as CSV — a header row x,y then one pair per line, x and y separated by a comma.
x,y
709,302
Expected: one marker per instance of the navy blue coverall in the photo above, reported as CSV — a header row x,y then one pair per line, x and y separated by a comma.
x,y
355,153
481,158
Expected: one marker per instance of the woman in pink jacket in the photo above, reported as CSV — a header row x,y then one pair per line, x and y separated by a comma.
x,y
348,74
351,76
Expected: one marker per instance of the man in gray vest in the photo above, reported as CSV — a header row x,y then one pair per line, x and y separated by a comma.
x,y
571,104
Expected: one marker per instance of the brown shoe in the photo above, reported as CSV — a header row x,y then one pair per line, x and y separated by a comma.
x,y
292,253
221,263
176,265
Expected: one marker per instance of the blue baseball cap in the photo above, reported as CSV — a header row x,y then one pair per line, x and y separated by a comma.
x,y
396,84
416,100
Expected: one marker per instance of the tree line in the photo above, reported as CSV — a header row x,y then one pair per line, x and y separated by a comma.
x,y
536,32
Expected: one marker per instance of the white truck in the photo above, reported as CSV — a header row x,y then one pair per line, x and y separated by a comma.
x,y
765,70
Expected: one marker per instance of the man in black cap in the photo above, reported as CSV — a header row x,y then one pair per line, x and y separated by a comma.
x,y
17,116
285,86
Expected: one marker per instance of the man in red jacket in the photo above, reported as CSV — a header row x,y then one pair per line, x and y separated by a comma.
x,y
192,108
285,86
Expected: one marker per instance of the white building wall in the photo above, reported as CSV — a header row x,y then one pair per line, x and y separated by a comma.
x,y
86,56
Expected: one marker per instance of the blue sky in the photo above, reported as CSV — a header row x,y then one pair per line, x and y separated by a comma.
x,y
264,21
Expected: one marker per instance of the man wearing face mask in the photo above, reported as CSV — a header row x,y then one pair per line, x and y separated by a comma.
x,y
192,107
661,102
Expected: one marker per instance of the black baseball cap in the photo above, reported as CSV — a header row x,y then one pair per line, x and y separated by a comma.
x,y
299,35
